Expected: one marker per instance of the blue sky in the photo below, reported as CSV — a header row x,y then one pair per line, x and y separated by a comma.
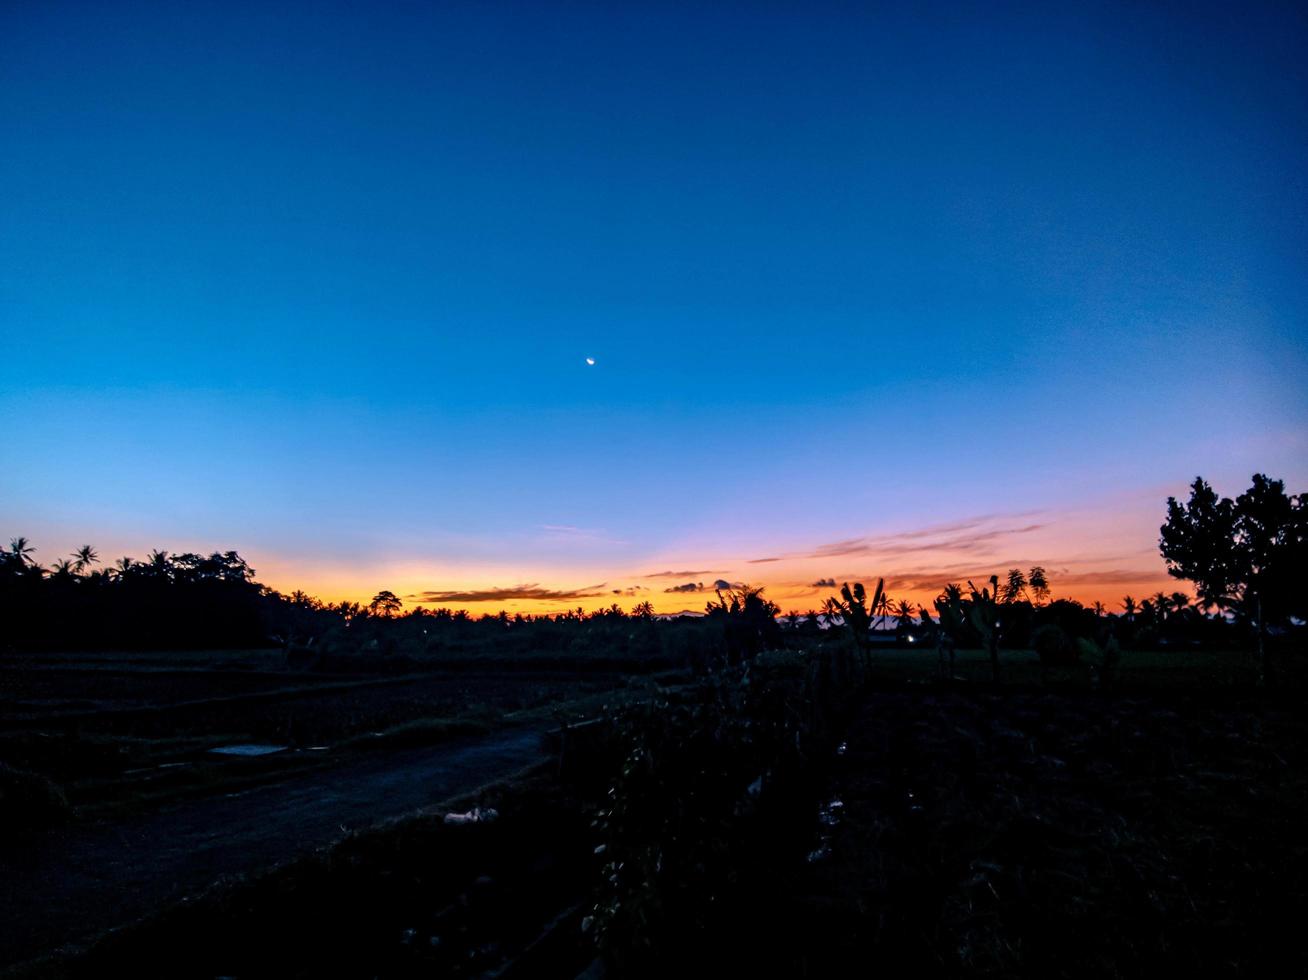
x,y
318,281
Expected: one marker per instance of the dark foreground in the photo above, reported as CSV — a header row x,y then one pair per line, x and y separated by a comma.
x,y
78,880
1036,835
765,821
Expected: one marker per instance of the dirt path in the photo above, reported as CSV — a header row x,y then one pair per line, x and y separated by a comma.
x,y
86,878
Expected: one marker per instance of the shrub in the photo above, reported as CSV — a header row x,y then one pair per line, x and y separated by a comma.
x,y
1055,647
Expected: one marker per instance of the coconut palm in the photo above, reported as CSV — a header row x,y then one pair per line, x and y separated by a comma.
x,y
883,606
84,557
22,550
157,563
904,613
1162,603
63,568
1129,607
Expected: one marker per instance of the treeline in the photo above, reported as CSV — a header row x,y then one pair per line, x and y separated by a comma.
x,y
1248,560
190,601
186,601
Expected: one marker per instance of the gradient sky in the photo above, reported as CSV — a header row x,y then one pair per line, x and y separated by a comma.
x,y
870,291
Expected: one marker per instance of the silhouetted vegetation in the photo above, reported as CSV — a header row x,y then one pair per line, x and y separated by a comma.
x,y
797,793
1247,556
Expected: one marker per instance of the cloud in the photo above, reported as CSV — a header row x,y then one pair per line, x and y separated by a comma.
x,y
569,532
529,590
824,583
719,585
968,540
707,571
762,561
630,590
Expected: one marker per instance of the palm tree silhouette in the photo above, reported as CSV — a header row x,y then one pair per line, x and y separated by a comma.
x,y
885,606
84,557
1163,603
21,549
904,612
1128,604
157,563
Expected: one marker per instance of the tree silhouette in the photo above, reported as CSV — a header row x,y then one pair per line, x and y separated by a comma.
x,y
853,609
84,557
22,550
882,604
985,617
904,613
385,603
1039,583
953,616
1014,587
1248,555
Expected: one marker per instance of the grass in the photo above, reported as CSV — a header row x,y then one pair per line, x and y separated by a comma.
x,y
1169,671
1033,834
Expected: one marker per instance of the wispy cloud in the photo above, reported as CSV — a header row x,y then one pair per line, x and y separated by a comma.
x,y
762,561
529,590
570,532
691,574
961,537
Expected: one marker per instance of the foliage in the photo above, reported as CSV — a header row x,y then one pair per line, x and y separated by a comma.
x,y
1236,552
711,804
1249,555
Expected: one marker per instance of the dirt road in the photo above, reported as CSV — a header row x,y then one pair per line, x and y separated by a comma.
x,y
86,878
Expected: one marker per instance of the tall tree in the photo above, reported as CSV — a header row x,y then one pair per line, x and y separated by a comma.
x,y
1248,555
84,557
1014,587
1039,583
385,603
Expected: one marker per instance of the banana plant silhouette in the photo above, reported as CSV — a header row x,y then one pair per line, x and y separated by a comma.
x,y
856,612
985,617
953,616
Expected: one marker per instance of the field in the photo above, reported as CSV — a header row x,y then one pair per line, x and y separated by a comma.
x,y
112,729
1057,826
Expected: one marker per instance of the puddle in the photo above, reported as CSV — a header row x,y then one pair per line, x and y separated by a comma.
x,y
247,750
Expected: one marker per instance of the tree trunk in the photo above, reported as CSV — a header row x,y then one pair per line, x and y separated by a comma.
x,y
1264,657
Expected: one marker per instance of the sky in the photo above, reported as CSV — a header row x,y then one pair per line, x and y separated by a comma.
x,y
913,291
